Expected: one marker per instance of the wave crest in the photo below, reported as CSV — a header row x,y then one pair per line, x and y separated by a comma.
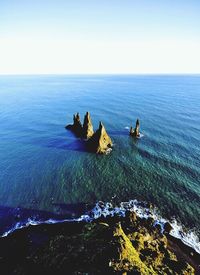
x,y
106,209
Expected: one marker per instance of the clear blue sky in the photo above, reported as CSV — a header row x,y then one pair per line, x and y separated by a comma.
x,y
98,36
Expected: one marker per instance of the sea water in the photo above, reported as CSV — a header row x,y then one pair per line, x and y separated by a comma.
x,y
45,169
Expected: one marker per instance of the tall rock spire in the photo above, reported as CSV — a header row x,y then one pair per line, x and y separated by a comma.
x,y
100,142
76,127
87,127
135,132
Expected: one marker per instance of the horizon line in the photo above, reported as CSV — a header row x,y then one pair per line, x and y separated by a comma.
x,y
55,74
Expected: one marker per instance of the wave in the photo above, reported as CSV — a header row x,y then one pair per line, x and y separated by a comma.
x,y
106,209
141,135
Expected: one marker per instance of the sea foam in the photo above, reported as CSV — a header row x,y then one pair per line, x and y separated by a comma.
x,y
107,209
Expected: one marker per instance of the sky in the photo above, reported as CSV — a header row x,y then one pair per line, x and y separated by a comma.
x,y
99,36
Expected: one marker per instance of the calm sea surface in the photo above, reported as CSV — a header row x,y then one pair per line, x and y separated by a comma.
x,y
42,165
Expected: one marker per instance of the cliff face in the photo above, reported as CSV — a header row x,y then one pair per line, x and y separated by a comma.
x,y
135,132
87,127
127,258
100,142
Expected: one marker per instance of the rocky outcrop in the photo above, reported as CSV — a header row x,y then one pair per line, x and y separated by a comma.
x,y
87,127
100,142
126,256
76,127
135,132
112,245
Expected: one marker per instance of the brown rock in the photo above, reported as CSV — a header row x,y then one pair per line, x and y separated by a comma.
x,y
131,217
135,132
76,127
127,258
131,131
167,227
100,142
87,127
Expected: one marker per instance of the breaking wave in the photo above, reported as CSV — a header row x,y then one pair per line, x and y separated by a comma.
x,y
102,209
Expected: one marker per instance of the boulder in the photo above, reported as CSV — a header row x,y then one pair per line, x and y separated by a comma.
x,y
100,142
87,127
167,227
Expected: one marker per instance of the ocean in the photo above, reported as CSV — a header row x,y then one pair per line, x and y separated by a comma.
x,y
45,170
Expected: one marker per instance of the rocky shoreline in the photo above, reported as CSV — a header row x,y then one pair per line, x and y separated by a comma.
x,y
111,245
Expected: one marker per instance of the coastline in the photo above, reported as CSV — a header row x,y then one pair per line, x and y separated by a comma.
x,y
102,245
154,170
84,212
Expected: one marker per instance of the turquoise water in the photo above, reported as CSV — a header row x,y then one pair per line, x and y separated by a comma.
x,y
42,164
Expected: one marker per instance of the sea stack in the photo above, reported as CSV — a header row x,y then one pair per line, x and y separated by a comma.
x,y
87,127
100,142
76,127
135,132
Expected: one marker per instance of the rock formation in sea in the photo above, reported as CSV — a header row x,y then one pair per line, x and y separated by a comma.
x,y
87,127
100,142
135,132
76,127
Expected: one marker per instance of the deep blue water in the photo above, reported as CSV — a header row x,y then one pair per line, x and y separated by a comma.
x,y
43,165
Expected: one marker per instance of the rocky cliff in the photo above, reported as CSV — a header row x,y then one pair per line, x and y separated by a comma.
x,y
113,245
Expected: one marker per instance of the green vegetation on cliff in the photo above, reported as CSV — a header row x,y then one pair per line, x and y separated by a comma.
x,y
114,245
